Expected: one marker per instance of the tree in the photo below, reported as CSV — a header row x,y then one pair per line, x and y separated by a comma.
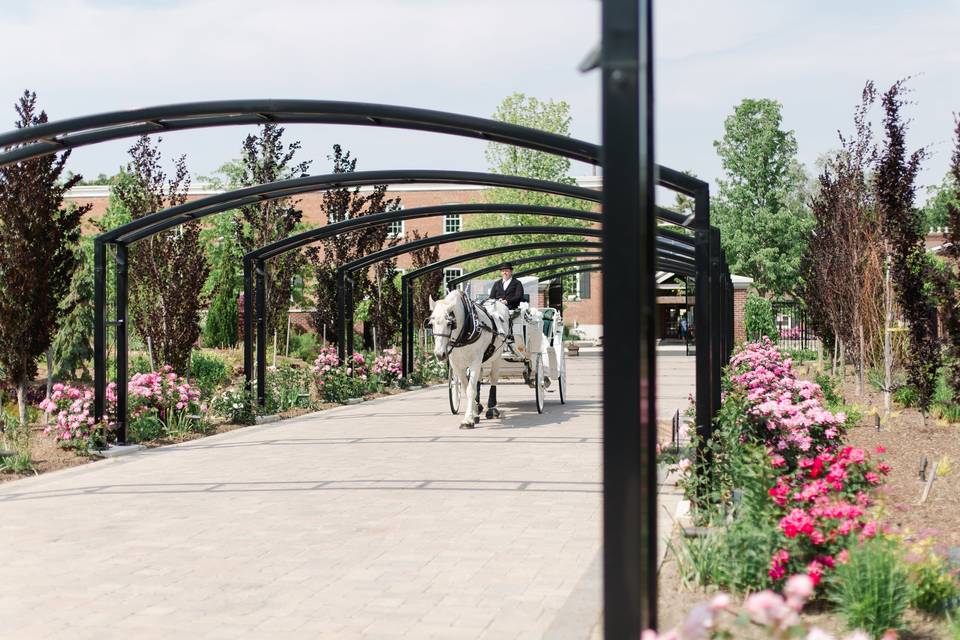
x,y
936,211
38,239
347,204
552,116
759,210
264,159
166,270
904,231
428,284
223,285
843,266
72,347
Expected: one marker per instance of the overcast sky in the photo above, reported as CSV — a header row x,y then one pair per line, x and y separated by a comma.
x,y
87,56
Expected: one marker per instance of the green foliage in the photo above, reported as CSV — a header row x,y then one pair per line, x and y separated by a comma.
x,y
304,346
527,111
905,396
16,438
758,319
935,589
207,372
239,406
764,224
223,284
72,347
288,387
872,589
936,211
145,428
829,386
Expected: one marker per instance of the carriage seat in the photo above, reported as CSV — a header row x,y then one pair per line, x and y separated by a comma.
x,y
548,317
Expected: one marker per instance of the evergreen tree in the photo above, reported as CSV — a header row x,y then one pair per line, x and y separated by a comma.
x,y
72,348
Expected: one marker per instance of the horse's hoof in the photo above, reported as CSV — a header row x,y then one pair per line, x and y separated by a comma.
x,y
476,420
466,425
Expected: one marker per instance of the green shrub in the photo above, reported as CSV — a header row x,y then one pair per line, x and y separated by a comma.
x,y
207,372
829,385
145,428
905,396
288,387
16,438
236,405
758,319
139,364
220,329
935,589
304,346
872,589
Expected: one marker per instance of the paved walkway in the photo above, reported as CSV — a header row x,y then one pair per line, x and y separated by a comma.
x,y
374,520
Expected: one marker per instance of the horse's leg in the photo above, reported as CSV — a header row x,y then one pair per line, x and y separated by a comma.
x,y
492,410
471,392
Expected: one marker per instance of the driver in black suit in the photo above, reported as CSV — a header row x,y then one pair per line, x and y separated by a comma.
x,y
509,291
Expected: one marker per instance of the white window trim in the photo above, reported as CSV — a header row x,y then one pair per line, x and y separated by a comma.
x,y
459,217
448,275
395,234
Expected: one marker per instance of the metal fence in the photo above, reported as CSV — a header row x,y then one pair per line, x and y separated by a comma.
x,y
793,329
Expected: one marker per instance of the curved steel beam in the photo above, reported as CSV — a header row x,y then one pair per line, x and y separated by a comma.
x,y
571,272
173,216
52,137
483,253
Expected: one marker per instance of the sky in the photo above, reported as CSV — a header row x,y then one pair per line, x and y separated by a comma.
x,y
813,56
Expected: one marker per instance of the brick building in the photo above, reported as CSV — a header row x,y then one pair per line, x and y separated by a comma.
x,y
581,311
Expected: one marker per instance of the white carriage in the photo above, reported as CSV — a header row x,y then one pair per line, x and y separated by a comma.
x,y
536,357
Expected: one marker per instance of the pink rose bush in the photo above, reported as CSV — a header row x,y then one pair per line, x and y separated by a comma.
x,y
160,395
764,614
778,447
783,412
387,366
72,410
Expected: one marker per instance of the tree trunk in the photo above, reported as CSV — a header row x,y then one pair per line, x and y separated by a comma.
x,y
860,363
887,346
46,414
843,361
22,400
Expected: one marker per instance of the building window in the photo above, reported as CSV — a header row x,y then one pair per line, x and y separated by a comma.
x,y
395,229
583,285
450,274
452,223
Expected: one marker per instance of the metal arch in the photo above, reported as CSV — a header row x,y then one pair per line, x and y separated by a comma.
x,y
52,137
560,266
570,272
173,216
495,267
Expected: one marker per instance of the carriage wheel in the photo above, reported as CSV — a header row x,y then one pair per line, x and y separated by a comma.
x,y
538,383
453,390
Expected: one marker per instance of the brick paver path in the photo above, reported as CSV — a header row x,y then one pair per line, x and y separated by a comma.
x,y
374,520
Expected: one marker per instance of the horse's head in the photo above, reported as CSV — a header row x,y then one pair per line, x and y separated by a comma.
x,y
446,318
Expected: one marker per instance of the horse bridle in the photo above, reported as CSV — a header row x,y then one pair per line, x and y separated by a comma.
x,y
476,327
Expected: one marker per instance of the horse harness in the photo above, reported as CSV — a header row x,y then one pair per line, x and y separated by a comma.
x,y
472,328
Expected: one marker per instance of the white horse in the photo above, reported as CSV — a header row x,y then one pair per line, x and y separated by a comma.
x,y
466,335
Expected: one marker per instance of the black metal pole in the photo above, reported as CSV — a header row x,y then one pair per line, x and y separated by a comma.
x,y
341,312
716,321
121,334
248,311
99,329
703,293
350,313
261,310
411,348
404,325
629,367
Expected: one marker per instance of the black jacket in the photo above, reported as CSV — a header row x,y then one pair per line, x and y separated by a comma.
x,y
513,295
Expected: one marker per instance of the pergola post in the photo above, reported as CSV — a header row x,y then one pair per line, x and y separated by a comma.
x,y
350,314
248,311
260,273
341,320
629,365
122,339
404,325
703,292
716,320
99,329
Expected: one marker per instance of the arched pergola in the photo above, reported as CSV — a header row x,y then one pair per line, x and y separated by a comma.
x,y
629,258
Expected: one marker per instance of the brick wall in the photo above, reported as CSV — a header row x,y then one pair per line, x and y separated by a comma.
x,y
739,300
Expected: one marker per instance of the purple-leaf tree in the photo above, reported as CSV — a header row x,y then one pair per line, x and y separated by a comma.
x,y
38,255
903,228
